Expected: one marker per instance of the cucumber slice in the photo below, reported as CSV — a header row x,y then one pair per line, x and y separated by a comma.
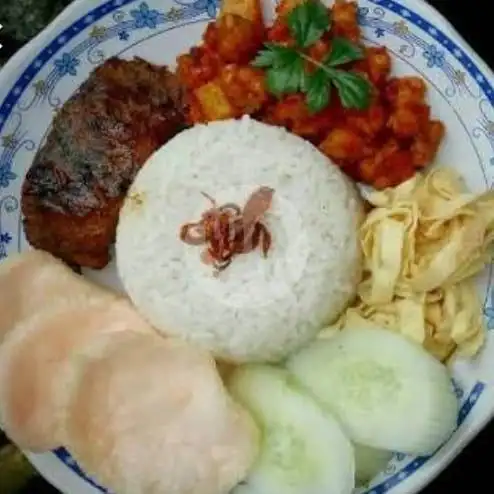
x,y
369,462
303,449
387,391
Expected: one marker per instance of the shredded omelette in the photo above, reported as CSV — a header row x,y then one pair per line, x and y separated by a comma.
x,y
422,244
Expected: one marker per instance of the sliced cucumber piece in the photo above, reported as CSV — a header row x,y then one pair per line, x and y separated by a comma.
x,y
303,449
387,391
369,462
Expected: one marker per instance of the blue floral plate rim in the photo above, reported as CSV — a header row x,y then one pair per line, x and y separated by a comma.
x,y
207,8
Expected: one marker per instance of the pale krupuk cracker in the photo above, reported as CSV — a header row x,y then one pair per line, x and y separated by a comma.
x,y
38,353
151,415
422,244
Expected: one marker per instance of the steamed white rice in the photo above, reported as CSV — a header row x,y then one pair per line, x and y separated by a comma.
x,y
257,309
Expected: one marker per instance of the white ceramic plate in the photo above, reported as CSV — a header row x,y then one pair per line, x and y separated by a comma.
x,y
44,74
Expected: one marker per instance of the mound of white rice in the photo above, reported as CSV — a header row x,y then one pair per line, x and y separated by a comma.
x,y
257,309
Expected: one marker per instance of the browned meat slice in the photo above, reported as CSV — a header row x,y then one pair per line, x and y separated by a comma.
x,y
99,139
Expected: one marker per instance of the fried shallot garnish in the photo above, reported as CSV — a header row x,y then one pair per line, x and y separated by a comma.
x,y
228,230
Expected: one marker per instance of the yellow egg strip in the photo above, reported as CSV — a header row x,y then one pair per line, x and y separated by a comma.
x,y
422,244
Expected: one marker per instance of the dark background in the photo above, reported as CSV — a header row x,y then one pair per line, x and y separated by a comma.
x,y
467,18
475,25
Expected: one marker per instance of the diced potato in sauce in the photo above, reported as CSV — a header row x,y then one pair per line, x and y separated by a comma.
x,y
213,101
382,145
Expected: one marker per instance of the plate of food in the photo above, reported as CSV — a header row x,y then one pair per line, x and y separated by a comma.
x,y
246,247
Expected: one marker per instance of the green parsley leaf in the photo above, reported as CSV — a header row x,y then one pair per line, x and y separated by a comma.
x,y
308,22
343,51
286,79
265,58
274,55
317,90
304,82
354,89
286,70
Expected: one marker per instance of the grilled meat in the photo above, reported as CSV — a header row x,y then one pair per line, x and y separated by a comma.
x,y
99,140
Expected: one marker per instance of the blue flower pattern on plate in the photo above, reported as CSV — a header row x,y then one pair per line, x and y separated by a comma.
x,y
379,32
209,6
6,176
123,35
67,65
5,238
434,57
146,17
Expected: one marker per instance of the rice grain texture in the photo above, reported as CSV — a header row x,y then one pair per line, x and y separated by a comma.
x,y
257,309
